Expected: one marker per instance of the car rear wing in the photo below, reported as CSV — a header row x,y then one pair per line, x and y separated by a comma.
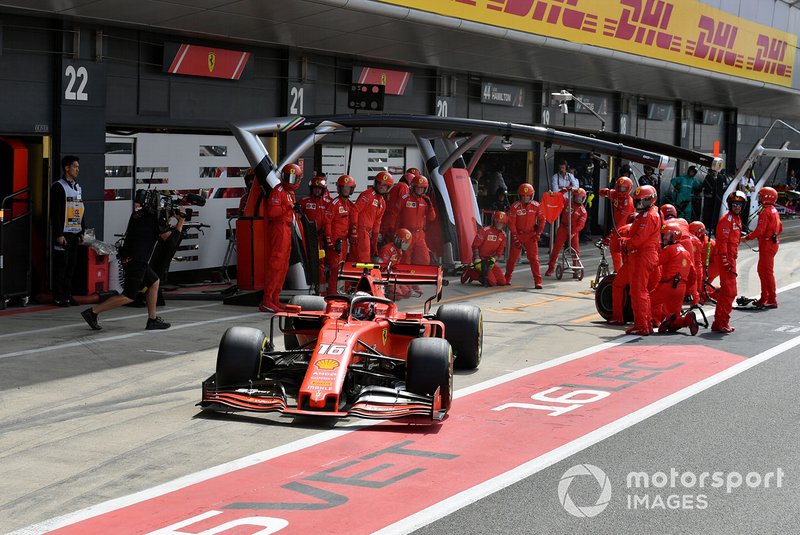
x,y
392,274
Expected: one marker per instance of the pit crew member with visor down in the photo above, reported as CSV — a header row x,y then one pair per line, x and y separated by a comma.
x,y
676,270
526,223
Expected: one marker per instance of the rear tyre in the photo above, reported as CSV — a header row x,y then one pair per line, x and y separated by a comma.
x,y
463,328
429,366
306,302
239,355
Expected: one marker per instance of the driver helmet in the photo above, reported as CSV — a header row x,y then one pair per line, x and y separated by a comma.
x,y
403,238
363,311
291,176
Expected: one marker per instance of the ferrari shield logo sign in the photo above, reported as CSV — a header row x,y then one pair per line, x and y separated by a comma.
x,y
384,335
212,60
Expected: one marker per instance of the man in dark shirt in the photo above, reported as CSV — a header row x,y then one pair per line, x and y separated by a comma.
x,y
144,230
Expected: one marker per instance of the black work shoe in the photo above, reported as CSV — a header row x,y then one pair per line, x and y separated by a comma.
x,y
157,323
91,318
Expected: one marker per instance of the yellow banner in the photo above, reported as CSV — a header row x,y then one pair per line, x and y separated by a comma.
x,y
687,32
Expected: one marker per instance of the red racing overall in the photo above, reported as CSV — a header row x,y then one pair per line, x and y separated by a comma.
x,y
370,207
767,232
526,223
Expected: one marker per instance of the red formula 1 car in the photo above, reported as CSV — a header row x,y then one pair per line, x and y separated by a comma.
x,y
351,355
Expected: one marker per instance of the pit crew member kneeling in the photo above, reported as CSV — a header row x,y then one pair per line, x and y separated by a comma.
x,y
143,232
489,243
677,272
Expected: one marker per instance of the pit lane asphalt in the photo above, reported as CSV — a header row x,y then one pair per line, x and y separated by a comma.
x,y
88,416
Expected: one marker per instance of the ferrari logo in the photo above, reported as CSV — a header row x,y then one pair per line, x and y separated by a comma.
x,y
384,335
383,78
212,61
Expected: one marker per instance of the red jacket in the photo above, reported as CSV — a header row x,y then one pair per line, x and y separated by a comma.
x,y
315,209
526,219
769,225
389,223
370,207
390,253
414,212
728,235
645,231
674,260
489,242
280,206
342,220
623,207
579,216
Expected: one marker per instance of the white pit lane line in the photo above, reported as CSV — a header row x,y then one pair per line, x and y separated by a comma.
x,y
87,341
450,505
119,318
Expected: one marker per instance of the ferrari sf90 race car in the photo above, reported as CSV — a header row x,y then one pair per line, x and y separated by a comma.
x,y
351,355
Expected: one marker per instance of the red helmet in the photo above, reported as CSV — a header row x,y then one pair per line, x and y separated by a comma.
x,y
579,196
624,230
319,182
403,238
624,184
345,181
419,182
670,233
767,196
644,197
291,176
500,217
413,171
697,228
526,190
384,178
668,212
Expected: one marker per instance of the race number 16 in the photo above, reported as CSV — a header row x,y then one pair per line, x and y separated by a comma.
x,y
558,405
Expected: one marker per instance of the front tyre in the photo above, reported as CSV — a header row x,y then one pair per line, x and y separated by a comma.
x,y
239,356
429,365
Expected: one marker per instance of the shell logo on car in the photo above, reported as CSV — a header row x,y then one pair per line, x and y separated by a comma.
x,y
327,364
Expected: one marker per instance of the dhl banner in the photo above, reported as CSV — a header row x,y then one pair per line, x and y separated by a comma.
x,y
687,32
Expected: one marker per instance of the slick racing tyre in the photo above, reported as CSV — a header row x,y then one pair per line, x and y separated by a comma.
x,y
305,302
429,365
603,300
463,328
239,355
